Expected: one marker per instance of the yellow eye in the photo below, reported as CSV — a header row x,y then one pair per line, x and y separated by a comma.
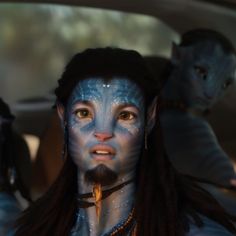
x,y
126,115
226,84
83,113
201,72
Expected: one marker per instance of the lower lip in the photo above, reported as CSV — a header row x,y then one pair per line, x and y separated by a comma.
x,y
102,157
201,100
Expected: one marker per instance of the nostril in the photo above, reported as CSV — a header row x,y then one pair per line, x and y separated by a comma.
x,y
102,136
208,96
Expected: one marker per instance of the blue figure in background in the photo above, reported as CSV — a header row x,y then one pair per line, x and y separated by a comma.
x,y
11,148
203,67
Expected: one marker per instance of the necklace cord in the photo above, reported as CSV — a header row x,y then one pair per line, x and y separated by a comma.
x,y
105,194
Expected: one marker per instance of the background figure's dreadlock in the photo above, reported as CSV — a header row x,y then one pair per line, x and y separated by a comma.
x,y
10,177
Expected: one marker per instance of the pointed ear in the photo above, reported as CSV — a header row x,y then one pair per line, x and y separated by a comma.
x,y
61,112
151,115
175,54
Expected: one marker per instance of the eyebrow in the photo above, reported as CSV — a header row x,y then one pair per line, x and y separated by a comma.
x,y
86,102
127,105
121,106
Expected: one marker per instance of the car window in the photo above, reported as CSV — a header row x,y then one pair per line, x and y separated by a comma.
x,y
37,40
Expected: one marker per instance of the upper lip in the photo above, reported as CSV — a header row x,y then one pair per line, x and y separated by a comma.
x,y
202,100
103,148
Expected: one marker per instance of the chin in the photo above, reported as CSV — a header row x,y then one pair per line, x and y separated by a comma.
x,y
198,104
198,107
101,174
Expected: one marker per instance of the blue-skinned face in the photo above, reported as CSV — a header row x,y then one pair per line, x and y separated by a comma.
x,y
205,72
106,124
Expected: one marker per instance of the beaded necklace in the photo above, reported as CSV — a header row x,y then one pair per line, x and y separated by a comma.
x,y
123,227
127,226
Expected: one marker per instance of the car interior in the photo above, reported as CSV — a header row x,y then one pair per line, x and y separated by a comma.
x,y
37,38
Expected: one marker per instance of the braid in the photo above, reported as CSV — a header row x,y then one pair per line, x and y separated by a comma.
x,y
157,209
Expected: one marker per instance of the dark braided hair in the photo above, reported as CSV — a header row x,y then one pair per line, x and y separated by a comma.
x,y
162,205
105,62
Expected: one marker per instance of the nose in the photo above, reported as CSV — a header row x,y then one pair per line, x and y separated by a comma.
x,y
103,136
208,96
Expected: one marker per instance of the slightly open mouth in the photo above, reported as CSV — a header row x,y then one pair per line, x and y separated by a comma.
x,y
102,156
102,152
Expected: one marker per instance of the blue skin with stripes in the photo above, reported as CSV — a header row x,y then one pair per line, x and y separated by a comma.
x,y
109,113
201,75
104,103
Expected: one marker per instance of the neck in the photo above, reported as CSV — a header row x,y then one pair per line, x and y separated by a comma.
x,y
114,209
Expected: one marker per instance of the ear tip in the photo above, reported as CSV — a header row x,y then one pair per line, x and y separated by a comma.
x,y
60,110
175,53
175,46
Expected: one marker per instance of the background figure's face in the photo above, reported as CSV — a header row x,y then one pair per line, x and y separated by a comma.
x,y
205,71
106,125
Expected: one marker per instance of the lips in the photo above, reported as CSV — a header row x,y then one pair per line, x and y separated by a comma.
x,y
201,100
102,152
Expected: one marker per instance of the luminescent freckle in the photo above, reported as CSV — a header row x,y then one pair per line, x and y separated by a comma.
x,y
136,129
132,130
106,85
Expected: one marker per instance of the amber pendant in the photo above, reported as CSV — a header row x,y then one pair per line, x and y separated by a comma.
x,y
97,194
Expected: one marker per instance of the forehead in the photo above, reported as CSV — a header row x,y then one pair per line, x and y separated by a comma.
x,y
212,53
210,49
115,90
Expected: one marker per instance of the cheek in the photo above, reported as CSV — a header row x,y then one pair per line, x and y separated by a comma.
x,y
127,140
130,133
78,131
78,147
130,148
77,139
198,86
75,142
130,143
